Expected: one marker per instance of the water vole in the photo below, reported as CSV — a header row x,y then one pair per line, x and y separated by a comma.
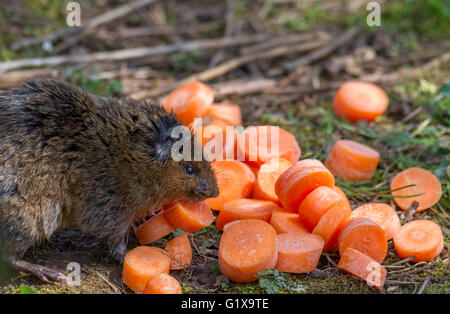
x,y
72,159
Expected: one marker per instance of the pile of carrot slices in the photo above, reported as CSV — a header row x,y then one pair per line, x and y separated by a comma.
x,y
277,211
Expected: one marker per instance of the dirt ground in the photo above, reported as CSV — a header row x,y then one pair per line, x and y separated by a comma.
x,y
406,56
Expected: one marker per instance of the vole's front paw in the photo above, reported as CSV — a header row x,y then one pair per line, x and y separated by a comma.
x,y
119,251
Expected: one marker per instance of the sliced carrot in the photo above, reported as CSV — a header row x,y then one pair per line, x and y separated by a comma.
x,y
227,112
189,217
352,161
298,252
162,284
340,192
189,101
222,146
245,208
154,229
234,179
382,214
207,128
425,183
364,267
364,235
284,221
268,174
331,223
357,101
317,203
143,263
255,170
263,143
246,248
180,251
420,238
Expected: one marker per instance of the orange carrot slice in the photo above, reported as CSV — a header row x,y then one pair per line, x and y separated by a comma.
x,y
189,101
222,146
382,214
154,229
246,248
234,179
180,250
268,174
364,235
330,224
352,161
340,192
317,203
263,143
143,263
364,267
255,170
297,182
245,208
420,238
298,252
162,284
357,101
425,183
207,128
228,112
189,217
284,221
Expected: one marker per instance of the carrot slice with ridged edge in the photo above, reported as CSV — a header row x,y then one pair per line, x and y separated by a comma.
x,y
154,229
268,174
228,112
364,235
162,284
317,203
189,101
364,267
298,181
284,221
420,238
357,101
180,251
298,252
245,208
382,214
352,161
143,263
246,248
425,183
234,179
263,143
331,223
189,217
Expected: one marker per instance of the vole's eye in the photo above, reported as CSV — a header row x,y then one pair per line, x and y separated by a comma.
x,y
189,170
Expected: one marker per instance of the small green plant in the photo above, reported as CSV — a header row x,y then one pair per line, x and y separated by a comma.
x,y
94,84
273,281
26,290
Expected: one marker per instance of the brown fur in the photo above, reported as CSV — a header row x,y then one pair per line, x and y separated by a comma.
x,y
72,159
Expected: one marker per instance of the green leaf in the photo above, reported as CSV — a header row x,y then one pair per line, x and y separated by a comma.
x,y
26,290
445,90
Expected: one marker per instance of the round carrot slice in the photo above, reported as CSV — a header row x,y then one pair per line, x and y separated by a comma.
x,y
228,112
268,174
340,192
364,235
284,221
245,208
420,238
143,263
364,267
246,248
357,101
330,224
425,183
263,143
234,179
189,217
382,214
207,128
298,252
297,182
162,284
154,229
316,204
352,161
222,146
180,251
189,101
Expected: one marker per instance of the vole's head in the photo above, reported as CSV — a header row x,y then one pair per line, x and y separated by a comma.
x,y
171,159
